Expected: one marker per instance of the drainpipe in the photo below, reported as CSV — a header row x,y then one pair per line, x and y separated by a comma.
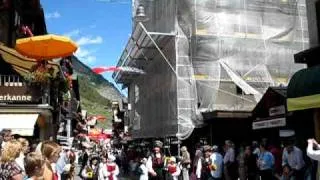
x,y
11,33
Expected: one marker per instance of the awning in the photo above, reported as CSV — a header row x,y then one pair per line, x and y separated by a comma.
x,y
141,48
304,89
21,64
22,124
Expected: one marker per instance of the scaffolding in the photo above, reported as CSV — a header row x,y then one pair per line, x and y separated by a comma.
x,y
208,55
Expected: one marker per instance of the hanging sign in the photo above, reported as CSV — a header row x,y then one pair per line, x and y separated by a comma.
x,y
277,110
277,122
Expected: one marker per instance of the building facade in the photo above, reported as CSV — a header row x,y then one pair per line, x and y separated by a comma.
x,y
36,96
207,56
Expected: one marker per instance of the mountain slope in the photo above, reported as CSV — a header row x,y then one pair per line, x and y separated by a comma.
x,y
96,92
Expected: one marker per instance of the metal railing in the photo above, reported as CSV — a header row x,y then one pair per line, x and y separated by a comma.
x,y
11,81
17,81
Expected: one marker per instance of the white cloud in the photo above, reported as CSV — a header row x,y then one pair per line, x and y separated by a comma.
x,y
91,59
85,56
89,40
53,15
73,33
80,53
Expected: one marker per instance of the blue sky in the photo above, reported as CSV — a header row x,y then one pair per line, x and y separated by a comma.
x,y
100,27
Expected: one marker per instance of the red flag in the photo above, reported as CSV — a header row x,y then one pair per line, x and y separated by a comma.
x,y
100,70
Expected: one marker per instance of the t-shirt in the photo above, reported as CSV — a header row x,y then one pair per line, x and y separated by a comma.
x,y
9,169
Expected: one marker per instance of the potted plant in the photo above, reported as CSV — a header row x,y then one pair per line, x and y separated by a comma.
x,y
40,73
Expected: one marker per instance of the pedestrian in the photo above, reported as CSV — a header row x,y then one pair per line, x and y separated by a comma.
x,y
313,152
313,149
197,161
230,167
9,169
205,165
293,157
7,136
91,170
51,153
242,166
217,162
34,166
265,163
24,151
255,148
103,173
157,164
112,168
85,158
143,170
277,154
61,163
185,162
286,173
250,161
25,146
197,155
68,171
173,169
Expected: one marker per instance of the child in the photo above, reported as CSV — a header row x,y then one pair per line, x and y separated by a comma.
x,y
112,168
173,168
286,174
34,166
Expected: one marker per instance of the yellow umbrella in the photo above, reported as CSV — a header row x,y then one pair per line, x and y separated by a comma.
x,y
46,47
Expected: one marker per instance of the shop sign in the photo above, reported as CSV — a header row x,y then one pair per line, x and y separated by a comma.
x,y
21,94
277,110
278,122
174,140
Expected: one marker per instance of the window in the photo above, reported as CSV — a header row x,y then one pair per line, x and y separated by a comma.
x,y
239,90
136,93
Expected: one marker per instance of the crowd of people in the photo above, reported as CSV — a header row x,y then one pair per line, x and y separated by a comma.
x,y
21,160
263,161
47,160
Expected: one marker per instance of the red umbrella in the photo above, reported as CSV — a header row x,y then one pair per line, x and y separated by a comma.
x,y
101,118
98,136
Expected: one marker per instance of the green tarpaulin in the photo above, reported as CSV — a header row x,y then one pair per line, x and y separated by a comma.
x,y
303,91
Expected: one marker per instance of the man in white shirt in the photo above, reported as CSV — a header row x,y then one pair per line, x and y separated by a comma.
x,y
313,149
313,152
293,157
